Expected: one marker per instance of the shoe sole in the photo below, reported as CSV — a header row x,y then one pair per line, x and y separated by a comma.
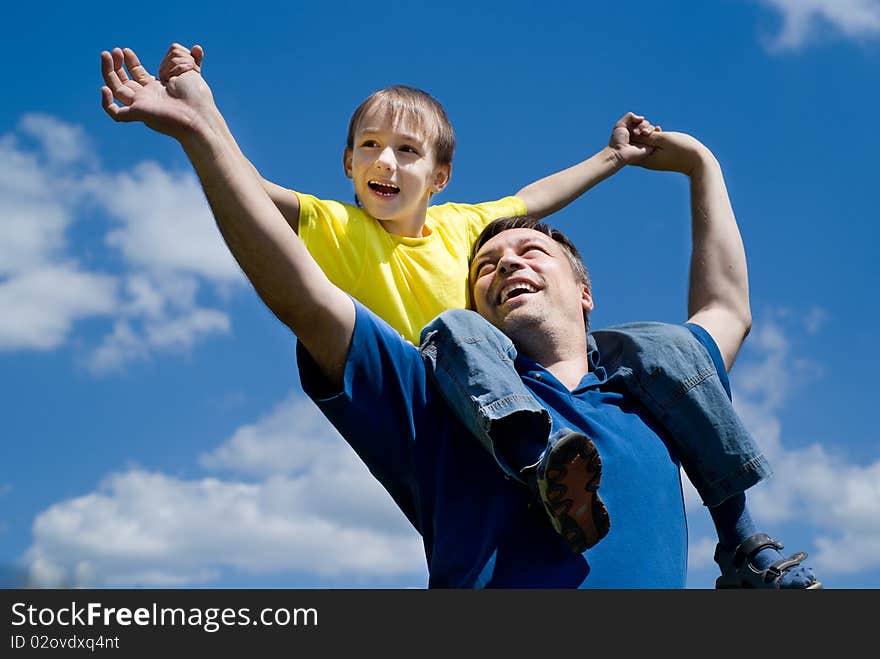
x,y
568,491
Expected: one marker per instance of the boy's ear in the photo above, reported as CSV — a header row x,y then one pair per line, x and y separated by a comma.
x,y
346,162
441,177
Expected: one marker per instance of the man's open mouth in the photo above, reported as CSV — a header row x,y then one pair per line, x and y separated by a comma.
x,y
515,290
383,189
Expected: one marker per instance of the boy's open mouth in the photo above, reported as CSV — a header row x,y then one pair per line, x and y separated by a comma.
x,y
383,189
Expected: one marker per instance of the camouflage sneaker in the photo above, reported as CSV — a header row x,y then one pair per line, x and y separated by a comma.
x,y
568,477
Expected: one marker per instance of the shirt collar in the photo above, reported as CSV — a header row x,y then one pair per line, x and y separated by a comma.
x,y
597,375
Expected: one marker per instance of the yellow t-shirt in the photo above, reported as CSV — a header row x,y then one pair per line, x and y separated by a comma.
x,y
405,281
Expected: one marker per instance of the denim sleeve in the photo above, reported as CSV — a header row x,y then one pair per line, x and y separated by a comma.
x,y
382,405
701,335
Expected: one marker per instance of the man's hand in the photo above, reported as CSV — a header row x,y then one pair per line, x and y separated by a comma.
x,y
628,139
673,152
179,60
171,108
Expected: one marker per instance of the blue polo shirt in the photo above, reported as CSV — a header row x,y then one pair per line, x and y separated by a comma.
x,y
481,529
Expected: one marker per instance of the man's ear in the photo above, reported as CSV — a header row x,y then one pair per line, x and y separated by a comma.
x,y
586,299
346,162
441,177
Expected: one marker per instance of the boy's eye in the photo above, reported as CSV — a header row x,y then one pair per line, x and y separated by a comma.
x,y
409,149
369,143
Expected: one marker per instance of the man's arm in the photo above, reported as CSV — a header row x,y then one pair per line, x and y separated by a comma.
x,y
179,60
556,191
718,293
274,259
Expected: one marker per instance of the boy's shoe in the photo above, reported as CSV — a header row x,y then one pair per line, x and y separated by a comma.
x,y
568,476
738,571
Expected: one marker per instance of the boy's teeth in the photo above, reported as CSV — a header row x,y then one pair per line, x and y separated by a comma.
x,y
383,188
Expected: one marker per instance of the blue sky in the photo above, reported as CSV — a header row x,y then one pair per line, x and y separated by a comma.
x,y
153,429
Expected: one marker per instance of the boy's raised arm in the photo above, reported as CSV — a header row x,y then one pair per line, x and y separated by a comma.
x,y
275,261
556,191
179,60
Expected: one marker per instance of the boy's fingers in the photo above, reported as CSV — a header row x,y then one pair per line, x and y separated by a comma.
x,y
118,65
138,73
110,72
626,120
198,54
116,113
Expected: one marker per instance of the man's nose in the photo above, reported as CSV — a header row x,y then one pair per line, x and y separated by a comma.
x,y
510,263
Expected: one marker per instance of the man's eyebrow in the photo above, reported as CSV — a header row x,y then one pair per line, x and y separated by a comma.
x,y
480,259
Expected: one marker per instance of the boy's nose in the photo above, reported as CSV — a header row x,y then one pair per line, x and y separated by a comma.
x,y
386,159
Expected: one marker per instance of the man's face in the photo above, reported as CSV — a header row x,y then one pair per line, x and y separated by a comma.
x,y
394,170
522,280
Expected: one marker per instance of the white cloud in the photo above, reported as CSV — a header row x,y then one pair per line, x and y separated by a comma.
x,y
162,228
701,553
803,20
62,143
316,509
37,309
165,223
812,484
268,448
31,232
158,315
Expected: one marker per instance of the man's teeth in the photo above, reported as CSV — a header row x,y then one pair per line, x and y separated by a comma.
x,y
516,289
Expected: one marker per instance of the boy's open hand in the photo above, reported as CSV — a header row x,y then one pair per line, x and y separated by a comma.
x,y
171,108
627,138
674,152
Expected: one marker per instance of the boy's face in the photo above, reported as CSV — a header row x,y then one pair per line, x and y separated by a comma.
x,y
394,171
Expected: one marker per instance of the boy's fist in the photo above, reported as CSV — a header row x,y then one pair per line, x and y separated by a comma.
x,y
179,60
628,138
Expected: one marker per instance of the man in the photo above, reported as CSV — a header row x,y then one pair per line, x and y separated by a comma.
x,y
480,528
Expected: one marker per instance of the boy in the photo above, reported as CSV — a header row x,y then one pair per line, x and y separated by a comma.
x,y
399,154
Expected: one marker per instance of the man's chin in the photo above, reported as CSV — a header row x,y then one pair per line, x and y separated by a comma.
x,y
518,323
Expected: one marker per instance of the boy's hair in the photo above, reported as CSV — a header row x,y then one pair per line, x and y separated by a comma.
x,y
403,102
524,222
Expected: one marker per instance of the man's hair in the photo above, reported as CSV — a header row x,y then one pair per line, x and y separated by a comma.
x,y
409,103
524,222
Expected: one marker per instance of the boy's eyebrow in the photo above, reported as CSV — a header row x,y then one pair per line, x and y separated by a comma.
x,y
409,137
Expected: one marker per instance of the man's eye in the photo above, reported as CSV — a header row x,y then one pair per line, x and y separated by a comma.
x,y
485,269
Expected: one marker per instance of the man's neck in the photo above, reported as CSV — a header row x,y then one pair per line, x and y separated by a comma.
x,y
566,360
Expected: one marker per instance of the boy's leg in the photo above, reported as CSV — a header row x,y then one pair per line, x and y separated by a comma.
x,y
749,559
471,363
671,374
